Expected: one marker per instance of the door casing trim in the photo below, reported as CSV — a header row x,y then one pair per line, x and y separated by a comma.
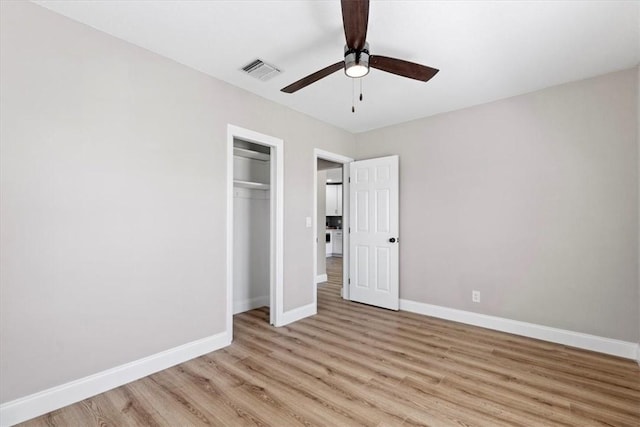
x,y
276,246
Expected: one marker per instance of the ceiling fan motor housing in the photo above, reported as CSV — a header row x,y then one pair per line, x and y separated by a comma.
x,y
356,62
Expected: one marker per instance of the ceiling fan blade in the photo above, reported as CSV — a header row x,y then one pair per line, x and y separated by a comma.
x,y
402,68
355,18
311,78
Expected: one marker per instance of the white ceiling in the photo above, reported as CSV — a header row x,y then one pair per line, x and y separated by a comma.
x,y
485,50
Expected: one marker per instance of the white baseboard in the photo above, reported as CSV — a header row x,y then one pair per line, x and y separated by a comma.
x,y
321,278
614,347
250,304
40,403
297,314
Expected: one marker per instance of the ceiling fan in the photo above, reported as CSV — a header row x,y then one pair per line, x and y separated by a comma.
x,y
357,60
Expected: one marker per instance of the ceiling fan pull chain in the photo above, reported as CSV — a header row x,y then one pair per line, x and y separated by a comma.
x,y
353,96
360,89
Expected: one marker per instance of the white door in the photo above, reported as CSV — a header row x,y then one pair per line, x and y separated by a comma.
x,y
373,248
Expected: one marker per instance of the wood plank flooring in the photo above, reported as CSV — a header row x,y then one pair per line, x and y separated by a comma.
x,y
334,272
357,365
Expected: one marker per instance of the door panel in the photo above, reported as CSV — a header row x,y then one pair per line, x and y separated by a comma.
x,y
374,232
382,208
362,270
361,220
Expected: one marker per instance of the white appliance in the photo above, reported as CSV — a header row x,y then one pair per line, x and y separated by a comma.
x,y
329,246
334,242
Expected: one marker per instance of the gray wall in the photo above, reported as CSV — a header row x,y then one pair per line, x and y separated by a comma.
x,y
531,200
113,199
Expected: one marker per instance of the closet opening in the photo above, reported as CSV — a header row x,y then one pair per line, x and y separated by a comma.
x,y
251,215
254,224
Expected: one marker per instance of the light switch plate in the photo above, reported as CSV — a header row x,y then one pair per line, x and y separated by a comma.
x,y
308,221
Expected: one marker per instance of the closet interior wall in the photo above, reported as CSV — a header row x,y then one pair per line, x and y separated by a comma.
x,y
251,220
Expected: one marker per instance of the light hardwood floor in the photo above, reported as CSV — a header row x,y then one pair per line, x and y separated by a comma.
x,y
334,272
357,365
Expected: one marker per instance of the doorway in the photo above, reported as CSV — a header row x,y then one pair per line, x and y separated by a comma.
x,y
255,222
329,206
330,221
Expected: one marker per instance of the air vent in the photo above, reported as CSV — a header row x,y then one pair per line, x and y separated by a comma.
x,y
261,70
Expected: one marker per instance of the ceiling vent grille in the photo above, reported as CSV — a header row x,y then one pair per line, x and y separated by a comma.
x,y
261,70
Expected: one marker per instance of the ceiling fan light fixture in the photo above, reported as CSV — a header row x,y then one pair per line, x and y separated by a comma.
x,y
356,70
356,63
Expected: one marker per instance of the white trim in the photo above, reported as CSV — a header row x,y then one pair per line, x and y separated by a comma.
x,y
346,235
321,278
638,355
327,155
276,293
338,158
36,404
250,304
229,244
298,313
560,336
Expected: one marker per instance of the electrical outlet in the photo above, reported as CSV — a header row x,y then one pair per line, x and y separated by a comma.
x,y
475,296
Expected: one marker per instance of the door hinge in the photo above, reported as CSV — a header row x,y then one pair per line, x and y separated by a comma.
x,y
349,280
349,179
349,230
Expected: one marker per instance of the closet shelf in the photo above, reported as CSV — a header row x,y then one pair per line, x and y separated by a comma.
x,y
243,152
251,185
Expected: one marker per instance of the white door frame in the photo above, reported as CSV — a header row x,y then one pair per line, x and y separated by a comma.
x,y
276,246
344,160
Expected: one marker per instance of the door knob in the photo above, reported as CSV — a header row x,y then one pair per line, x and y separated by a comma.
x,y
392,240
